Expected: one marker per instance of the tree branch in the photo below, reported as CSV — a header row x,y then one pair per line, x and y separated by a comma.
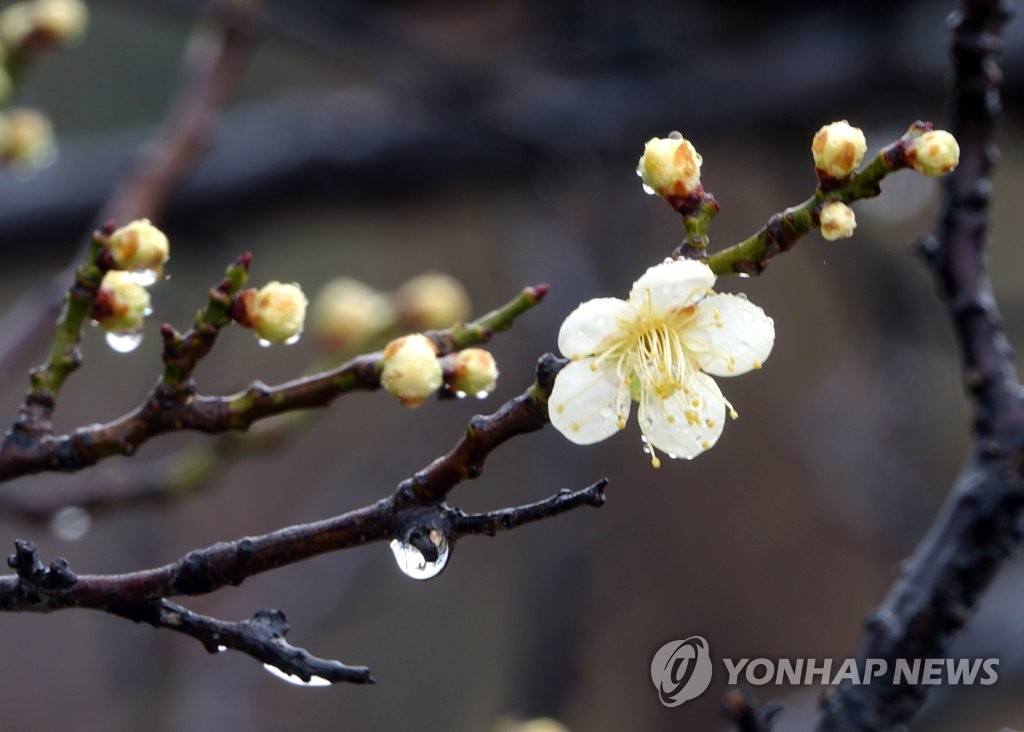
x,y
978,528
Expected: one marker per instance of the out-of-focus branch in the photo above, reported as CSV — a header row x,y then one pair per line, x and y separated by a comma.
x,y
411,514
978,528
747,714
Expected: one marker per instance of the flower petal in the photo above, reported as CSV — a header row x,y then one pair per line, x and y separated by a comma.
x,y
684,425
592,326
731,336
671,286
583,402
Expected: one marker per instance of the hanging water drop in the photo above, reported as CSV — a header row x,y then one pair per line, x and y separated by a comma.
x,y
744,275
482,394
70,523
144,277
293,679
459,394
124,342
294,339
648,190
221,649
412,562
264,343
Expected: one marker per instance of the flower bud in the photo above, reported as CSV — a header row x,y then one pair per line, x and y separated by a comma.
x,y
60,21
473,371
837,221
121,303
17,22
838,149
934,153
27,139
432,300
276,312
411,370
139,246
347,313
670,166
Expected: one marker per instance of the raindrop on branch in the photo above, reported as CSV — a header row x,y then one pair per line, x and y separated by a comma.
x,y
414,564
124,342
296,680
144,277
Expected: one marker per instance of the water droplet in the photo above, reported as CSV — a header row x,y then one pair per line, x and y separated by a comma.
x,y
673,456
482,394
264,343
144,277
742,296
413,564
648,190
124,342
70,523
675,135
460,394
294,339
293,679
221,649
744,275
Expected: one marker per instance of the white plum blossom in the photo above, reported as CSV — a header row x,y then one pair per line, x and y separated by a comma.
x,y
659,348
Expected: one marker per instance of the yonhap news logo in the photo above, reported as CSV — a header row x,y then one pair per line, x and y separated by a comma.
x,y
682,669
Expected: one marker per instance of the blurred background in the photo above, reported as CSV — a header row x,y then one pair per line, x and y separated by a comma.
x,y
497,142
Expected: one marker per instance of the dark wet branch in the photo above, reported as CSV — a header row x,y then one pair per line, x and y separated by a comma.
x,y
415,510
979,526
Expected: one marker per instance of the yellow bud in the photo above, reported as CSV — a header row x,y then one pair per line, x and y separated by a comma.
x,y
837,221
432,300
475,372
277,312
934,153
347,313
139,246
838,149
17,22
122,304
670,166
62,21
411,370
27,139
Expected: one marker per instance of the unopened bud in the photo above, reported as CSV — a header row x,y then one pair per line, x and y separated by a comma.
x,y
473,371
837,221
411,370
17,22
121,303
934,153
60,21
347,313
139,246
432,300
276,312
838,149
670,166
27,139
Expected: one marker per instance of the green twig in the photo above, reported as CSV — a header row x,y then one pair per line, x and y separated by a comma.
x,y
783,230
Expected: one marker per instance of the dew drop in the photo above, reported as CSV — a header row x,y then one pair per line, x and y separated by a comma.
x,y
70,523
673,456
264,343
144,277
413,564
124,342
744,275
648,190
294,339
221,649
483,394
460,394
293,679
742,296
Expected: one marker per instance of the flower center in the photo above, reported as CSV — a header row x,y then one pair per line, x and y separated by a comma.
x,y
656,354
